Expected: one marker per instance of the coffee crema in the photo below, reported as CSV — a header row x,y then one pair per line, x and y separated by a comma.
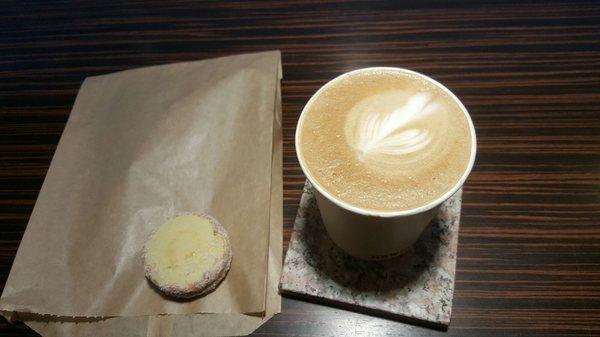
x,y
383,139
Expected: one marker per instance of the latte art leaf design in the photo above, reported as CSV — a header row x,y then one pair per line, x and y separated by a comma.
x,y
403,143
393,133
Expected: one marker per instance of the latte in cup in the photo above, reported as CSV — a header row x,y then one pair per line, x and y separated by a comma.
x,y
384,140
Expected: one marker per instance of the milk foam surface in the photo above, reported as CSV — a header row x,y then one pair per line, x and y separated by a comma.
x,y
385,140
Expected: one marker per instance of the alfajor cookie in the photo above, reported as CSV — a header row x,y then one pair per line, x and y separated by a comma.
x,y
188,255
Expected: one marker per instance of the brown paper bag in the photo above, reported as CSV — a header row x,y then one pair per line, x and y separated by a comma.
x,y
140,146
198,324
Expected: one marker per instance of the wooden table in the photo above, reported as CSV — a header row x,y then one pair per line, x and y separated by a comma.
x,y
529,251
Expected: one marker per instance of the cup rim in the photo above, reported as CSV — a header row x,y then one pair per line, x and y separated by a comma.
x,y
388,214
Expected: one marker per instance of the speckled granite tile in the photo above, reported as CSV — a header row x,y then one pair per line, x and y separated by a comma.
x,y
418,285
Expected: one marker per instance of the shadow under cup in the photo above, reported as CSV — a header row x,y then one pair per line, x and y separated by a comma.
x,y
372,235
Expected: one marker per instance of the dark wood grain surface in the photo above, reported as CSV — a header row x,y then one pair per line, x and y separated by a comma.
x,y
529,251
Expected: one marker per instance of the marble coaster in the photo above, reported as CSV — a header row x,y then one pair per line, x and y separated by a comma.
x,y
416,287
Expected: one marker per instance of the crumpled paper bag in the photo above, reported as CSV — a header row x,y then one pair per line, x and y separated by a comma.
x,y
140,146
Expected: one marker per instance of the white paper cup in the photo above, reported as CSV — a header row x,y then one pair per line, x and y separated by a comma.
x,y
372,235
